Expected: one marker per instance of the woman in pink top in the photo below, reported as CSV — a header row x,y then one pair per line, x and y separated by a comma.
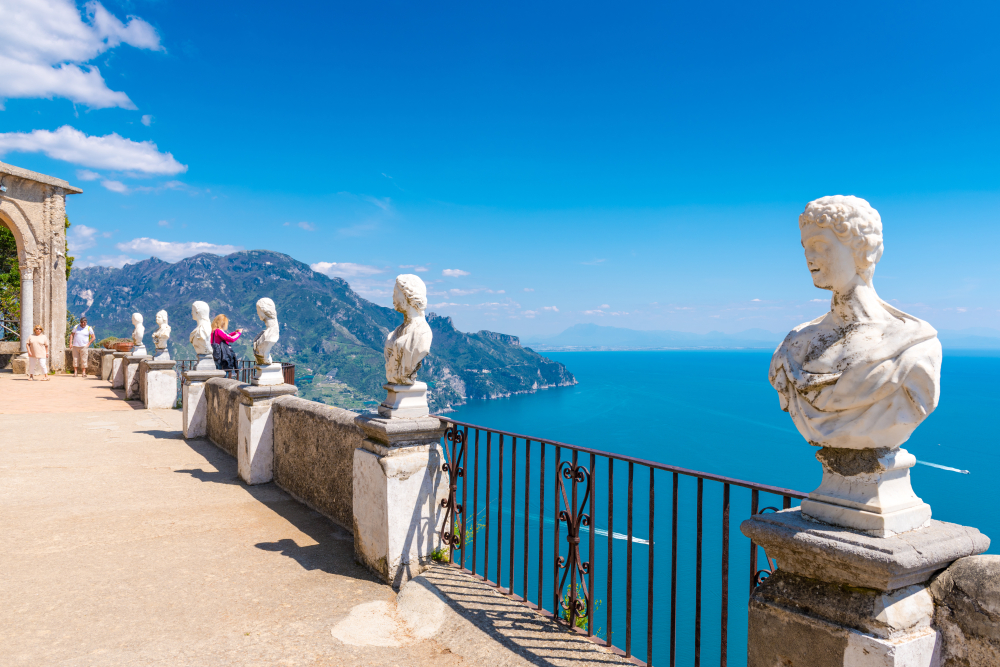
x,y
225,359
219,334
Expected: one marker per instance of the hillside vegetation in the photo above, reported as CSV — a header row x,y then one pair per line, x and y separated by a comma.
x,y
332,335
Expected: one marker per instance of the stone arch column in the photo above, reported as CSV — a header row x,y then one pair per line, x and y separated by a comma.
x,y
33,207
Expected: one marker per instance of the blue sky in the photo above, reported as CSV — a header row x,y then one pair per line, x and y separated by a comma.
x,y
638,165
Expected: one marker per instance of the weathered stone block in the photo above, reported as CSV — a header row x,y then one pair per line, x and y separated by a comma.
x,y
159,380
967,613
222,396
193,404
314,455
255,455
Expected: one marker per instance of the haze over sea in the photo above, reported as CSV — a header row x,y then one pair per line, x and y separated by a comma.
x,y
714,411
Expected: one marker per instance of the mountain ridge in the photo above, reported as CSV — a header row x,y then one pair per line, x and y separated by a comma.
x,y
334,336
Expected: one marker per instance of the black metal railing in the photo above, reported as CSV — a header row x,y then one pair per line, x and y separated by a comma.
x,y
570,579
10,330
243,372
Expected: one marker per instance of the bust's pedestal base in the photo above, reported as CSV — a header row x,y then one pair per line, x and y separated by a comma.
x,y
206,362
107,363
118,370
268,375
844,598
255,431
867,490
398,489
132,375
404,401
161,354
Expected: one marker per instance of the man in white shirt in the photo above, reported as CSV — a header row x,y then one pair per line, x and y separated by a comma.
x,y
81,338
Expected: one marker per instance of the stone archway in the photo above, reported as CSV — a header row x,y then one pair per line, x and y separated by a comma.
x,y
33,207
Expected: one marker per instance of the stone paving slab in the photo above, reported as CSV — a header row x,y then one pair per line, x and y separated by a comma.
x,y
126,545
60,394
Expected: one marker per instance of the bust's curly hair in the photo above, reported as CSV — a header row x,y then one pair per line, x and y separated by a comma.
x,y
413,289
855,223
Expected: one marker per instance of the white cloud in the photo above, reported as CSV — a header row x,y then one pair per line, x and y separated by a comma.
x,y
446,305
593,261
604,306
529,289
171,251
454,273
147,120
383,203
754,300
81,237
418,269
44,45
593,312
344,269
464,292
552,308
819,300
163,223
115,186
308,226
117,261
87,175
108,152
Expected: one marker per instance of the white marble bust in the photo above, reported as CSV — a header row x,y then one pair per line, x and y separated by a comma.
x,y
858,380
201,336
266,339
411,341
865,374
162,332
138,331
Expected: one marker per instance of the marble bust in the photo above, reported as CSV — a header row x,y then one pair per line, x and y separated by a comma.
x,y
411,341
138,332
859,379
161,335
268,372
266,339
201,336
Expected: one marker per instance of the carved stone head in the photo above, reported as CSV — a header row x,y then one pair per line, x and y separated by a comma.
x,y
136,318
410,295
161,317
266,309
199,312
842,239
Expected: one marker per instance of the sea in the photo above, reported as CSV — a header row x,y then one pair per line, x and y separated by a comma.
x,y
710,411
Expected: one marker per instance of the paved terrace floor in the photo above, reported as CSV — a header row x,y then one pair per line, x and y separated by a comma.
x,y
127,545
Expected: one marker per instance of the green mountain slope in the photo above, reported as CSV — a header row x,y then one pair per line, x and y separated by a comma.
x,y
332,335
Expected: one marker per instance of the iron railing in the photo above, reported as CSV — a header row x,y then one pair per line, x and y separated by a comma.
x,y
583,479
10,330
243,372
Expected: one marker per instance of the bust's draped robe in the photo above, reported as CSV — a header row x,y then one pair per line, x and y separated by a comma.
x,y
405,349
887,389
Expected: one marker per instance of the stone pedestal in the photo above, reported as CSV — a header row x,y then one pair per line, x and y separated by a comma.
x,y
398,486
193,402
867,490
118,370
846,599
205,363
19,364
407,401
255,432
161,355
131,366
268,375
138,351
107,359
160,384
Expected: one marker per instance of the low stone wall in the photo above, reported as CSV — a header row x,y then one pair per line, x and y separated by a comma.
x,y
223,398
967,612
93,361
314,455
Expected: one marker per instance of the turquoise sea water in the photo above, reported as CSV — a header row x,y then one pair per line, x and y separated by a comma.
x,y
712,411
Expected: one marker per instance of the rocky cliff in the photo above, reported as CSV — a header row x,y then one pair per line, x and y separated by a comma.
x,y
332,335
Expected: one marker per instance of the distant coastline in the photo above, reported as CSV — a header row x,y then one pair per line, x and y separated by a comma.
x,y
597,338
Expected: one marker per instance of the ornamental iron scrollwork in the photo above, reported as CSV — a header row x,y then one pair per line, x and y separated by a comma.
x,y
454,512
760,575
576,601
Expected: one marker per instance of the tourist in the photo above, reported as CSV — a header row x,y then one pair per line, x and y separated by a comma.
x,y
81,338
225,358
38,355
